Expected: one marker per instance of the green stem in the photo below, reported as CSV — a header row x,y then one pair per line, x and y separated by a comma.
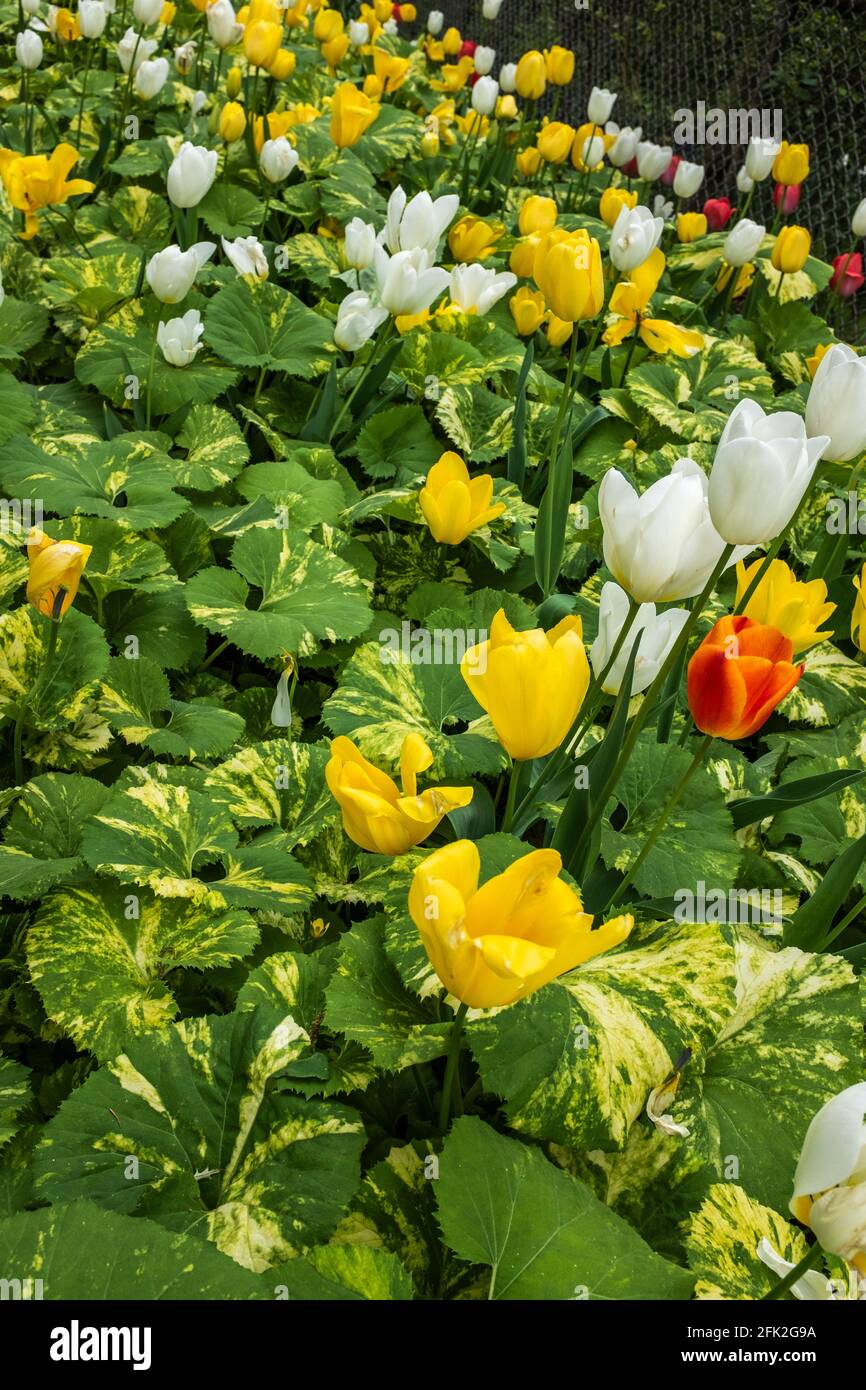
x,y
846,920
365,372
87,62
513,781
809,1261
150,371
18,735
217,652
586,356
451,1066
632,346
565,401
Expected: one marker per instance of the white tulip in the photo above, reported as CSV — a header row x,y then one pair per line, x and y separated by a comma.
x,y
662,207
858,221
420,222
484,96
657,633
359,33
600,105
745,183
110,6
147,11
390,27
407,282
281,709
624,147
811,1287
30,6
92,18
634,235
184,57
199,102
191,175
660,546
611,128
247,255
742,242
28,50
435,22
360,246
832,1170
357,320
151,78
277,159
171,273
762,467
837,403
490,8
688,179
508,77
760,157
652,159
179,338
222,24
476,290
484,60
133,50
592,151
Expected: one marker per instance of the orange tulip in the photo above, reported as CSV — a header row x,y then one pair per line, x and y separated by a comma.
x,y
739,674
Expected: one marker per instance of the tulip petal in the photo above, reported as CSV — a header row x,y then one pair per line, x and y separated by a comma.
x,y
513,959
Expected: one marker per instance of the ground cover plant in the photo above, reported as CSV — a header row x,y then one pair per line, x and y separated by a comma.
x,y
433,842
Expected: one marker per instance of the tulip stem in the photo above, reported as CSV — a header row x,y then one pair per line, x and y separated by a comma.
x,y
365,372
812,1256
513,782
87,61
586,356
846,920
450,1080
564,403
150,371
18,736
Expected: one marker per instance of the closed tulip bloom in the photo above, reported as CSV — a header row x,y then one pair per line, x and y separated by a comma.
x,y
508,77
830,1181
171,273
745,183
283,65
660,546
537,215
452,42
657,634
261,43
494,945
151,78
529,161
612,202
791,249
54,573
352,113
835,408
760,158
587,152
791,164
147,11
782,601
92,17
847,277
191,175
490,8
377,814
360,246
233,82
528,310
523,253
559,331
407,282
484,60
739,674
688,179
690,226
559,63
277,159
531,684
743,241
359,33
179,338
555,141
327,25
762,467
484,96
435,23
600,105
357,320
474,239
652,159
624,148
28,50
858,614
718,213
634,235
858,221
569,275
453,504
475,290
222,24
531,76
232,122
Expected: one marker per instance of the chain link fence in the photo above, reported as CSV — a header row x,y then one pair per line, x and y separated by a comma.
x,y
800,59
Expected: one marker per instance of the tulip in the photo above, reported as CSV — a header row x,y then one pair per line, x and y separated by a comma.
x,y
375,814
858,614
171,273
690,226
742,242
739,674
199,102
531,684
484,60
147,11
529,161
762,468
328,24
31,7
233,82
360,245
791,164
688,179
791,249
587,153
528,310
624,147
473,239
418,223
490,8
357,320
359,33
28,50
781,601
760,158
531,76
484,96
600,105
630,300
813,363
191,175
435,22
508,77
523,253
559,331
453,504
92,17
184,54
555,141
54,573
568,272
612,202
652,160
151,77
352,113
407,283
657,634
475,290
222,25
786,198
277,159
635,234
537,215
452,42
858,221
830,1181
37,181
247,255
232,122
835,407
660,546
847,277
717,211
391,70
261,43
63,24
559,65
745,183
670,172
494,945
179,338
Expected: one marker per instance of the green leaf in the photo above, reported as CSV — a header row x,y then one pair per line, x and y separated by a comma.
x,y
160,624
220,1151
43,838
21,326
302,501
262,325
216,450
277,783
117,351
811,924
15,1096
349,190
80,659
231,211
542,1234
796,793
478,422
693,399
120,559
331,1273
724,1234
398,443
136,701
17,406
100,958
315,257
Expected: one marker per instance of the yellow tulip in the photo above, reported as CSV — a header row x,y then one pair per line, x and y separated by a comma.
x,y
66,26
408,13
531,78
375,814
452,42
283,65
532,684
335,50
473,239
493,945
233,81
522,259
690,226
279,122
537,215
328,24
372,87
559,331
569,274
613,200
559,65
581,135
745,275
383,10
36,181
814,361
167,13
506,108
782,601
858,615
529,162
435,51
262,43
430,144
555,141
528,310
296,18
390,70
55,570
791,249
454,505
351,114
454,76
629,302
233,122
791,164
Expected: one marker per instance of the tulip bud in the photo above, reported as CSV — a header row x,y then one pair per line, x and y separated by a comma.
x,y
791,165
600,105
171,273
742,242
531,76
835,404
351,114
791,249
435,22
858,221
333,52
357,320
652,160
92,17
233,81
360,246
191,175
591,152
688,179
55,570
670,172
555,141
490,8
634,235
559,331
613,200
537,215
657,633
222,24
375,814
359,34
151,78
690,226
277,159
569,274
529,161
762,467
328,24
745,183
484,95
528,310
847,277
484,60
786,196
430,144
760,158
717,211
147,11
560,65
28,50
232,122
624,147
452,42
508,77
179,338
262,42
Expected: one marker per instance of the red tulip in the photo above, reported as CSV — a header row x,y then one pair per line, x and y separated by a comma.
x,y
630,170
670,172
717,211
792,196
739,674
468,49
847,274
